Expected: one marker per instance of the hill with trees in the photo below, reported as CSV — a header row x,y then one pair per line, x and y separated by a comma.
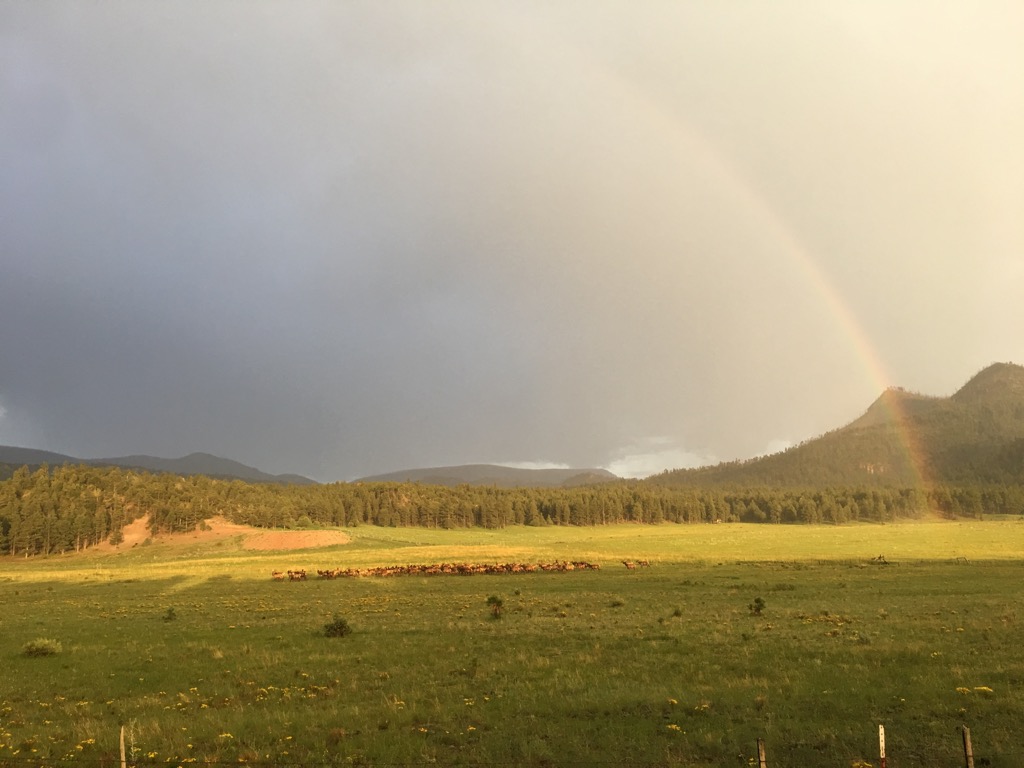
x,y
906,456
12,457
71,508
904,439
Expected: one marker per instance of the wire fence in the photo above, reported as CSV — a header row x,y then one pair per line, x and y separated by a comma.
x,y
947,760
958,755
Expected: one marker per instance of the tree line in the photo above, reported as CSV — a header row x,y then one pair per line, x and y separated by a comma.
x,y
71,508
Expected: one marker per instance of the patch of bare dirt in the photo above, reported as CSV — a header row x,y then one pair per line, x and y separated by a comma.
x,y
218,528
135,532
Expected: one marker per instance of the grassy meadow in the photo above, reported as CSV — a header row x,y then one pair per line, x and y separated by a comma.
x,y
204,658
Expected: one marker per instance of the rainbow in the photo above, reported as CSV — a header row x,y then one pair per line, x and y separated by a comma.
x,y
689,147
833,302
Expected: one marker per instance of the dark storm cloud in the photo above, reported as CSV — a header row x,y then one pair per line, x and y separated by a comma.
x,y
342,239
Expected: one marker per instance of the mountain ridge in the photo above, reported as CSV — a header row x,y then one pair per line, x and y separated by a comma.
x,y
902,439
200,463
494,474
196,463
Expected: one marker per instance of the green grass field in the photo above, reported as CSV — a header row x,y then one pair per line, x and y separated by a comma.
x,y
203,658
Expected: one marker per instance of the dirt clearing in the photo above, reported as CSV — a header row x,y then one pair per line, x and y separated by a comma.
x,y
217,528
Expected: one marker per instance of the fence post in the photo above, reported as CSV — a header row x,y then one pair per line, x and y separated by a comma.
x,y
124,763
881,745
761,762
968,749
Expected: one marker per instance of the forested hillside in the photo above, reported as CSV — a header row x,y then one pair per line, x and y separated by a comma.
x,y
907,455
973,438
71,508
12,457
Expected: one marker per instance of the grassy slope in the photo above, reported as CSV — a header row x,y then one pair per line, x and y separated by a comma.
x,y
665,666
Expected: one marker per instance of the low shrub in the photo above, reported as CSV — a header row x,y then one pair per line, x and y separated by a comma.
x,y
42,646
496,604
338,627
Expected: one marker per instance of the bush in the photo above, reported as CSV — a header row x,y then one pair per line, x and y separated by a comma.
x,y
41,646
339,627
757,606
496,604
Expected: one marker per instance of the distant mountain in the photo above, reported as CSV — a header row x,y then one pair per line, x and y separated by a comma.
x,y
973,436
193,464
21,456
200,464
493,474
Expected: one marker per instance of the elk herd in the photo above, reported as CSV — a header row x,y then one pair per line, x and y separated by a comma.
x,y
456,569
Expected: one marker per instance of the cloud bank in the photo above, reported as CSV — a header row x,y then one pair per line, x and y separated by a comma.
x,y
344,239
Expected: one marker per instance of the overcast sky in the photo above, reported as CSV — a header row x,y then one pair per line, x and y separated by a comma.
x,y
344,238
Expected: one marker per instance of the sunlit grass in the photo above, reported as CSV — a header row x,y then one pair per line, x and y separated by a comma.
x,y
660,666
